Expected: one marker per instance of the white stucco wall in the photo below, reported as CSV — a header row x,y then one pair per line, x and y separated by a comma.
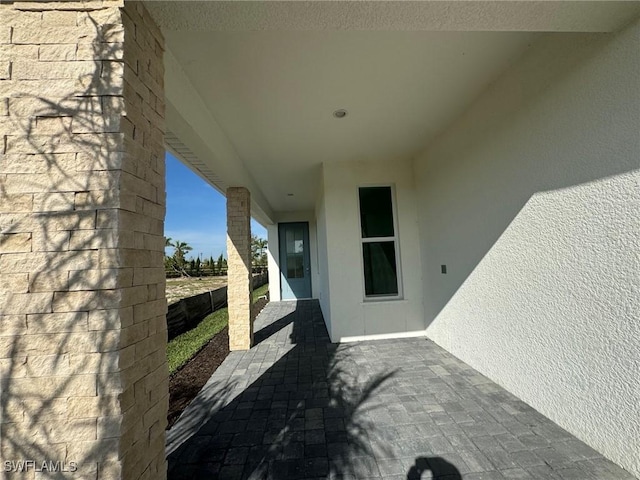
x,y
532,200
273,263
350,316
324,295
273,252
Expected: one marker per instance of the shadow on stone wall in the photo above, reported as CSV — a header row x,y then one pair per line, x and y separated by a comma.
x,y
68,289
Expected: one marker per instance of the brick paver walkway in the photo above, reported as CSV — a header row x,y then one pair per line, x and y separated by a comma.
x,y
297,406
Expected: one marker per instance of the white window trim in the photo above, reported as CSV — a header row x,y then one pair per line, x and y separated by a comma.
x,y
396,243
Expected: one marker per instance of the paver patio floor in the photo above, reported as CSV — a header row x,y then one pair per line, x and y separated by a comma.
x,y
297,406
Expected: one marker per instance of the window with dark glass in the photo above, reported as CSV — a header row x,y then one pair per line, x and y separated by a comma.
x,y
379,249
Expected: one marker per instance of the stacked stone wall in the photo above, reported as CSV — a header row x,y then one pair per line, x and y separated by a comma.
x,y
82,304
239,284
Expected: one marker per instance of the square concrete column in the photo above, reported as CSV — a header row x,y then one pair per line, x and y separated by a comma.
x,y
239,268
84,379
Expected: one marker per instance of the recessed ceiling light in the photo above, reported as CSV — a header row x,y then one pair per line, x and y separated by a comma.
x,y
340,113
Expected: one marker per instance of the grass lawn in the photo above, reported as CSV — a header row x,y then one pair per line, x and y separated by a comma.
x,y
183,347
260,291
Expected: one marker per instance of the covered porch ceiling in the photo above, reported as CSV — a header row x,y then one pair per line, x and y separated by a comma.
x,y
252,86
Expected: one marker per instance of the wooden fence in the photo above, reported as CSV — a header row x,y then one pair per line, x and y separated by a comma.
x,y
185,314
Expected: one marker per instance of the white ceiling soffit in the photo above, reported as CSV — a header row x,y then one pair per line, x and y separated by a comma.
x,y
263,101
251,86
457,15
180,150
209,152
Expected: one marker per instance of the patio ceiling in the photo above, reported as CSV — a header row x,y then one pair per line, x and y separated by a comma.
x,y
252,86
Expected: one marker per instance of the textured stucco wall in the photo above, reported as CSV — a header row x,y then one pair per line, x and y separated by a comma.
x,y
531,198
273,263
323,258
350,315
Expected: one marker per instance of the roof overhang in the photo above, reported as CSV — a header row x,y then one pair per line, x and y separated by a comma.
x,y
251,86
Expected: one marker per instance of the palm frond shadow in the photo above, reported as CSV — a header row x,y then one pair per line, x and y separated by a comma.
x,y
311,412
65,157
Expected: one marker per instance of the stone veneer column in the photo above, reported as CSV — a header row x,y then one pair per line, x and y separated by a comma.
x,y
239,268
82,298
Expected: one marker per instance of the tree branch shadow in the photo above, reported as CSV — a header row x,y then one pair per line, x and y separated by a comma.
x,y
63,304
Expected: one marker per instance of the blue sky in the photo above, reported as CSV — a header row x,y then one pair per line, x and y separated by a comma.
x,y
196,212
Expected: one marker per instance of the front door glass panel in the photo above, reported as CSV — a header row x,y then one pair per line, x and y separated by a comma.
x,y
295,268
295,251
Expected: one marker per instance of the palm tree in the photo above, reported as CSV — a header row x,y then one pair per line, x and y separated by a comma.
x,y
169,261
179,250
262,245
257,251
